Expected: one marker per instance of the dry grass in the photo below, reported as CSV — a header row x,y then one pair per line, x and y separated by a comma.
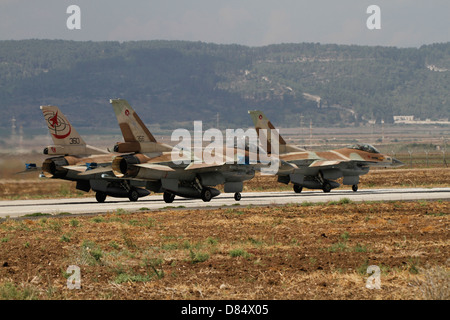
x,y
435,284
273,252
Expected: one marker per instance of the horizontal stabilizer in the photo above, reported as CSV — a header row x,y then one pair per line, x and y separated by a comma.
x,y
29,167
76,168
95,150
197,166
158,167
95,171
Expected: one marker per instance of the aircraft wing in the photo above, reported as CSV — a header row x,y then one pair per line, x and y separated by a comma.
x,y
338,164
326,163
311,168
203,167
95,171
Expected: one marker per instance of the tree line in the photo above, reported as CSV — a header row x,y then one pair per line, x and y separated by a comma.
x,y
172,83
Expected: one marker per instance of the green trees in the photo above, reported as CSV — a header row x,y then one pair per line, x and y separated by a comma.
x,y
174,81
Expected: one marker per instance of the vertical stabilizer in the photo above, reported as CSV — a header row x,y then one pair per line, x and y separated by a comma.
x,y
132,127
65,138
260,121
60,128
136,135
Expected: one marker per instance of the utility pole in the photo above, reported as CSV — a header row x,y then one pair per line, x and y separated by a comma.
x,y
20,137
301,124
13,128
217,121
444,144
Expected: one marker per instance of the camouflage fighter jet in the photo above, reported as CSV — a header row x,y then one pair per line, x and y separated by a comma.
x,y
153,164
74,160
318,170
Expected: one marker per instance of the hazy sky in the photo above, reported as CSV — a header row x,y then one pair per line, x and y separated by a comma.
x,y
404,23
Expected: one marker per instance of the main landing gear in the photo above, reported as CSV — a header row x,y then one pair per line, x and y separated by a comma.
x,y
355,187
133,195
206,194
326,187
168,197
100,196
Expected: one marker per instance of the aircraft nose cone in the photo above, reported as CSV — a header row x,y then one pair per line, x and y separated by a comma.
x,y
397,163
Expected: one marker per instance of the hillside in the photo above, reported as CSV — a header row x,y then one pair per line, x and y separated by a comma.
x,y
172,83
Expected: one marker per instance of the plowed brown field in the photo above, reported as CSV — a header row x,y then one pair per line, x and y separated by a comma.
x,y
297,251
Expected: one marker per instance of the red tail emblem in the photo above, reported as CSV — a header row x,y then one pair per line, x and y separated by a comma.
x,y
54,120
57,125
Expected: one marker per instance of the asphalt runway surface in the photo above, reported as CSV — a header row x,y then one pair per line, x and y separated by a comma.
x,y
18,208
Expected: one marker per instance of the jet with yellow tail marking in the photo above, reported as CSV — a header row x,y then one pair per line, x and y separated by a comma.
x,y
320,169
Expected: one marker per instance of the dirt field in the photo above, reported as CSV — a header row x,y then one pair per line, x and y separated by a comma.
x,y
298,251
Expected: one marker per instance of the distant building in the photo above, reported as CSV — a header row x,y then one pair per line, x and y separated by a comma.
x,y
411,120
403,119
432,67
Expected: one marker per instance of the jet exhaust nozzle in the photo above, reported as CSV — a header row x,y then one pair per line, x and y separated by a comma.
x,y
123,166
54,167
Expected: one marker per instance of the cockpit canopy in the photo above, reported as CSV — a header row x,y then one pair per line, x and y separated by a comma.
x,y
364,147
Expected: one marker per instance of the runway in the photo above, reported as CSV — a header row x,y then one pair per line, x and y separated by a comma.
x,y
18,208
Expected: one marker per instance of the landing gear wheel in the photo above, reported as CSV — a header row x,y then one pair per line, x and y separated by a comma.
x,y
297,188
206,195
100,196
237,196
355,187
168,197
326,187
133,195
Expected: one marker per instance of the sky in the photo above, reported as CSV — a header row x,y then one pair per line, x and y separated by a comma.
x,y
404,23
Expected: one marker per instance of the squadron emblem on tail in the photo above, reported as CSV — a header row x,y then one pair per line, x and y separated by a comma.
x,y
58,127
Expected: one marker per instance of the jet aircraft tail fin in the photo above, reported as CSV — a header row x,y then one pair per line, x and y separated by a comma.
x,y
263,126
66,140
136,135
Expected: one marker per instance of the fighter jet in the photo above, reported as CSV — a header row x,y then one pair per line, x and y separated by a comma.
x,y
74,160
318,170
153,163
